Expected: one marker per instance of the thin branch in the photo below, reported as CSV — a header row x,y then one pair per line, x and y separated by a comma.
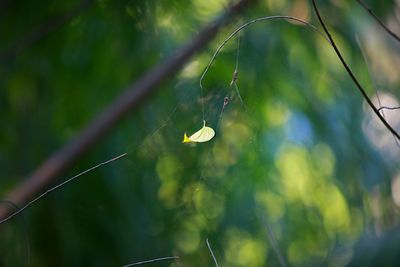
x,y
244,26
226,102
44,30
357,83
18,211
389,108
127,101
272,240
212,254
390,32
151,261
364,54
374,85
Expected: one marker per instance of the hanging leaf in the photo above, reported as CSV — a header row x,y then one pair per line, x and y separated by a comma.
x,y
203,135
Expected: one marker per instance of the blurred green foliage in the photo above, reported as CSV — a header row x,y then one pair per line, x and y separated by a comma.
x,y
303,156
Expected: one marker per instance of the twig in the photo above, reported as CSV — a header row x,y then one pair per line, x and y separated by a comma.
x,y
212,254
364,5
360,88
244,26
236,73
236,70
272,240
389,108
18,211
226,101
230,36
110,116
218,50
151,261
364,54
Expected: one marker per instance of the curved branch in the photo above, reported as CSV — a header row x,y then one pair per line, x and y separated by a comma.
x,y
390,32
127,101
353,77
389,108
248,24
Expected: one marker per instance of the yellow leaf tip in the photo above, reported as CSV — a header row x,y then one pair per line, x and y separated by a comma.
x,y
186,139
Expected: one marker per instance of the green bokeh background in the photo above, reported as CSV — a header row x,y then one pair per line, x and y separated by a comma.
x,y
303,156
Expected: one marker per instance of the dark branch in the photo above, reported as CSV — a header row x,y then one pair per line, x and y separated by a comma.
x,y
357,83
127,101
389,108
395,36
